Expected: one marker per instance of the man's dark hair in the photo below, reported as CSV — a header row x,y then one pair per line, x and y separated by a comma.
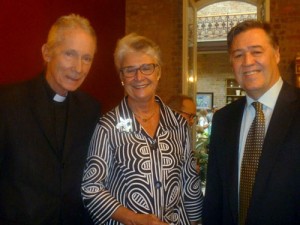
x,y
252,24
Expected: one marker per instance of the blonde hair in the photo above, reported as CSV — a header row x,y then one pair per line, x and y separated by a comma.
x,y
55,35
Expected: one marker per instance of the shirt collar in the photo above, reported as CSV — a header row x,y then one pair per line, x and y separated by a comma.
x,y
168,120
269,98
51,94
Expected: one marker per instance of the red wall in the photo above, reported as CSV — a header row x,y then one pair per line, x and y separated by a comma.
x,y
24,26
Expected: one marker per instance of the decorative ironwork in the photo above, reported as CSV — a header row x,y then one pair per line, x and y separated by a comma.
x,y
215,28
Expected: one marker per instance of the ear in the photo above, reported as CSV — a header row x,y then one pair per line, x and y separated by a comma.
x,y
121,78
158,76
277,55
46,53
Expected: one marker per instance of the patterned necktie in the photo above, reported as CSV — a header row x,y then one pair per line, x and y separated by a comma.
x,y
252,152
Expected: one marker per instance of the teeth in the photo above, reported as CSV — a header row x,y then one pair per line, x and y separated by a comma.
x,y
250,72
140,86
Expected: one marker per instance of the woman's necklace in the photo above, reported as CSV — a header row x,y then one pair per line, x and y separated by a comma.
x,y
145,119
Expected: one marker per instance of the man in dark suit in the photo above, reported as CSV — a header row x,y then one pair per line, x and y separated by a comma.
x,y
45,130
275,199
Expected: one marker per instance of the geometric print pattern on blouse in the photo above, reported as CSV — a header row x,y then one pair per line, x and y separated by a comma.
x,y
145,175
252,152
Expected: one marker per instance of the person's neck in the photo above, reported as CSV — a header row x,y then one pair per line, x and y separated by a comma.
x,y
143,109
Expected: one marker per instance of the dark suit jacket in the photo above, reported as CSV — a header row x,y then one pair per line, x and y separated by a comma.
x,y
36,186
276,193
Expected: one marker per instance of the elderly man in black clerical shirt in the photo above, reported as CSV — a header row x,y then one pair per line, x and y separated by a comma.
x,y
45,129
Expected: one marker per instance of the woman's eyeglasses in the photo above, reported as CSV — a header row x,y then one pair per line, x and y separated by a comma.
x,y
131,71
190,115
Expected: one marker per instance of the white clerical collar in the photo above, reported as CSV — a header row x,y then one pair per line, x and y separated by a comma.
x,y
59,98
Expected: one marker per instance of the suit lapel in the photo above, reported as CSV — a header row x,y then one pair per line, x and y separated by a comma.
x,y
283,114
233,155
42,110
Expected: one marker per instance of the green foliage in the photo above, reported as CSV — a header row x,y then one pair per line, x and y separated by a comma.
x,y
201,154
201,149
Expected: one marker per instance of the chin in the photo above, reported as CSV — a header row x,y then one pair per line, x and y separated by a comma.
x,y
71,88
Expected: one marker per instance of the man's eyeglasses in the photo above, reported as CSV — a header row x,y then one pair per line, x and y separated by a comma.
x,y
146,69
190,115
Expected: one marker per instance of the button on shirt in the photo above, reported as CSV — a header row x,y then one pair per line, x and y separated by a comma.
x,y
268,100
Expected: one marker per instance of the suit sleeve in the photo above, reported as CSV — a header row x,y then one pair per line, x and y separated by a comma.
x,y
212,212
2,126
1,137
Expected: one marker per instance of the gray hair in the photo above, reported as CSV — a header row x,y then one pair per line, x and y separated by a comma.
x,y
135,43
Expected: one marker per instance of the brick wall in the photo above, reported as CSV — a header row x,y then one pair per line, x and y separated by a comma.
x,y
213,70
285,18
161,21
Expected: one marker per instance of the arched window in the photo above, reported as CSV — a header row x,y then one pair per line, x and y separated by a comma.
x,y
215,20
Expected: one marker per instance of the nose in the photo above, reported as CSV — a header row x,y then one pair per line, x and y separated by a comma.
x,y
78,65
248,59
138,75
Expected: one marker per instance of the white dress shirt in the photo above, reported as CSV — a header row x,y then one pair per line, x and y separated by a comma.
x,y
268,100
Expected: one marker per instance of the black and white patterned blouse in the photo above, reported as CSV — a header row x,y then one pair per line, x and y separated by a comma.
x,y
125,166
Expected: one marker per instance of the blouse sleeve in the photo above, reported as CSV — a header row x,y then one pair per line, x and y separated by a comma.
x,y
96,198
193,197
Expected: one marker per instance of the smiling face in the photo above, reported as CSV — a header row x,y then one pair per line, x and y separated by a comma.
x,y
254,61
140,87
69,62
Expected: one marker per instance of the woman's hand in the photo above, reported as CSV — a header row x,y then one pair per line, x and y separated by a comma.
x,y
195,223
148,219
129,217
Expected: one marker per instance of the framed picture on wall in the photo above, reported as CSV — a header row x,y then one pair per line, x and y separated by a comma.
x,y
204,100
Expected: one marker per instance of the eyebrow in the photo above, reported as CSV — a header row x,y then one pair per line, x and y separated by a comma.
x,y
248,48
